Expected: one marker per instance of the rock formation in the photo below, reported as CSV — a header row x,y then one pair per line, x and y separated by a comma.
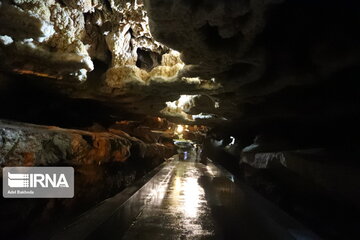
x,y
271,79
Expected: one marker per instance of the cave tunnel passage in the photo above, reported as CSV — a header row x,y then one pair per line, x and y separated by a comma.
x,y
181,119
187,199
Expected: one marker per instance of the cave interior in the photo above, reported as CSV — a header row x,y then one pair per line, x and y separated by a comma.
x,y
266,90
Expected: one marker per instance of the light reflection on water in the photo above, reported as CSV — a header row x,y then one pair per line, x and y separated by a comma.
x,y
187,194
157,195
192,193
179,209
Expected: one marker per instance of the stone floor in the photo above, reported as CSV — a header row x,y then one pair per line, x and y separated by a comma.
x,y
180,209
202,202
187,200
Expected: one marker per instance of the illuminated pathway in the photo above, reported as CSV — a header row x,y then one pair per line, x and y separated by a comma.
x,y
202,202
186,200
180,212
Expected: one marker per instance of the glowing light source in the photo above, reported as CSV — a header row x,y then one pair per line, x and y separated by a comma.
x,y
232,140
179,129
30,72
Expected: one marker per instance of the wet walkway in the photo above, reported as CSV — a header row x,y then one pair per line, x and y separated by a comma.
x,y
179,210
186,200
203,202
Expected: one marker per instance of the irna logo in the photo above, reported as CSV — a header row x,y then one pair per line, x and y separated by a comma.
x,y
38,182
19,180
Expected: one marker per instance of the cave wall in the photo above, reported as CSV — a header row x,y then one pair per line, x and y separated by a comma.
x,y
105,162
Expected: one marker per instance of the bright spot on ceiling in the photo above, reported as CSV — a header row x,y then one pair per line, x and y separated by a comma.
x,y
183,105
202,116
179,107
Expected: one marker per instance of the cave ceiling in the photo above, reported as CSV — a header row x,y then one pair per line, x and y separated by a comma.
x,y
193,62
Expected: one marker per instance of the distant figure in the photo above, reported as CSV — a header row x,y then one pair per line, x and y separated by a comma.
x,y
197,151
203,155
205,150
